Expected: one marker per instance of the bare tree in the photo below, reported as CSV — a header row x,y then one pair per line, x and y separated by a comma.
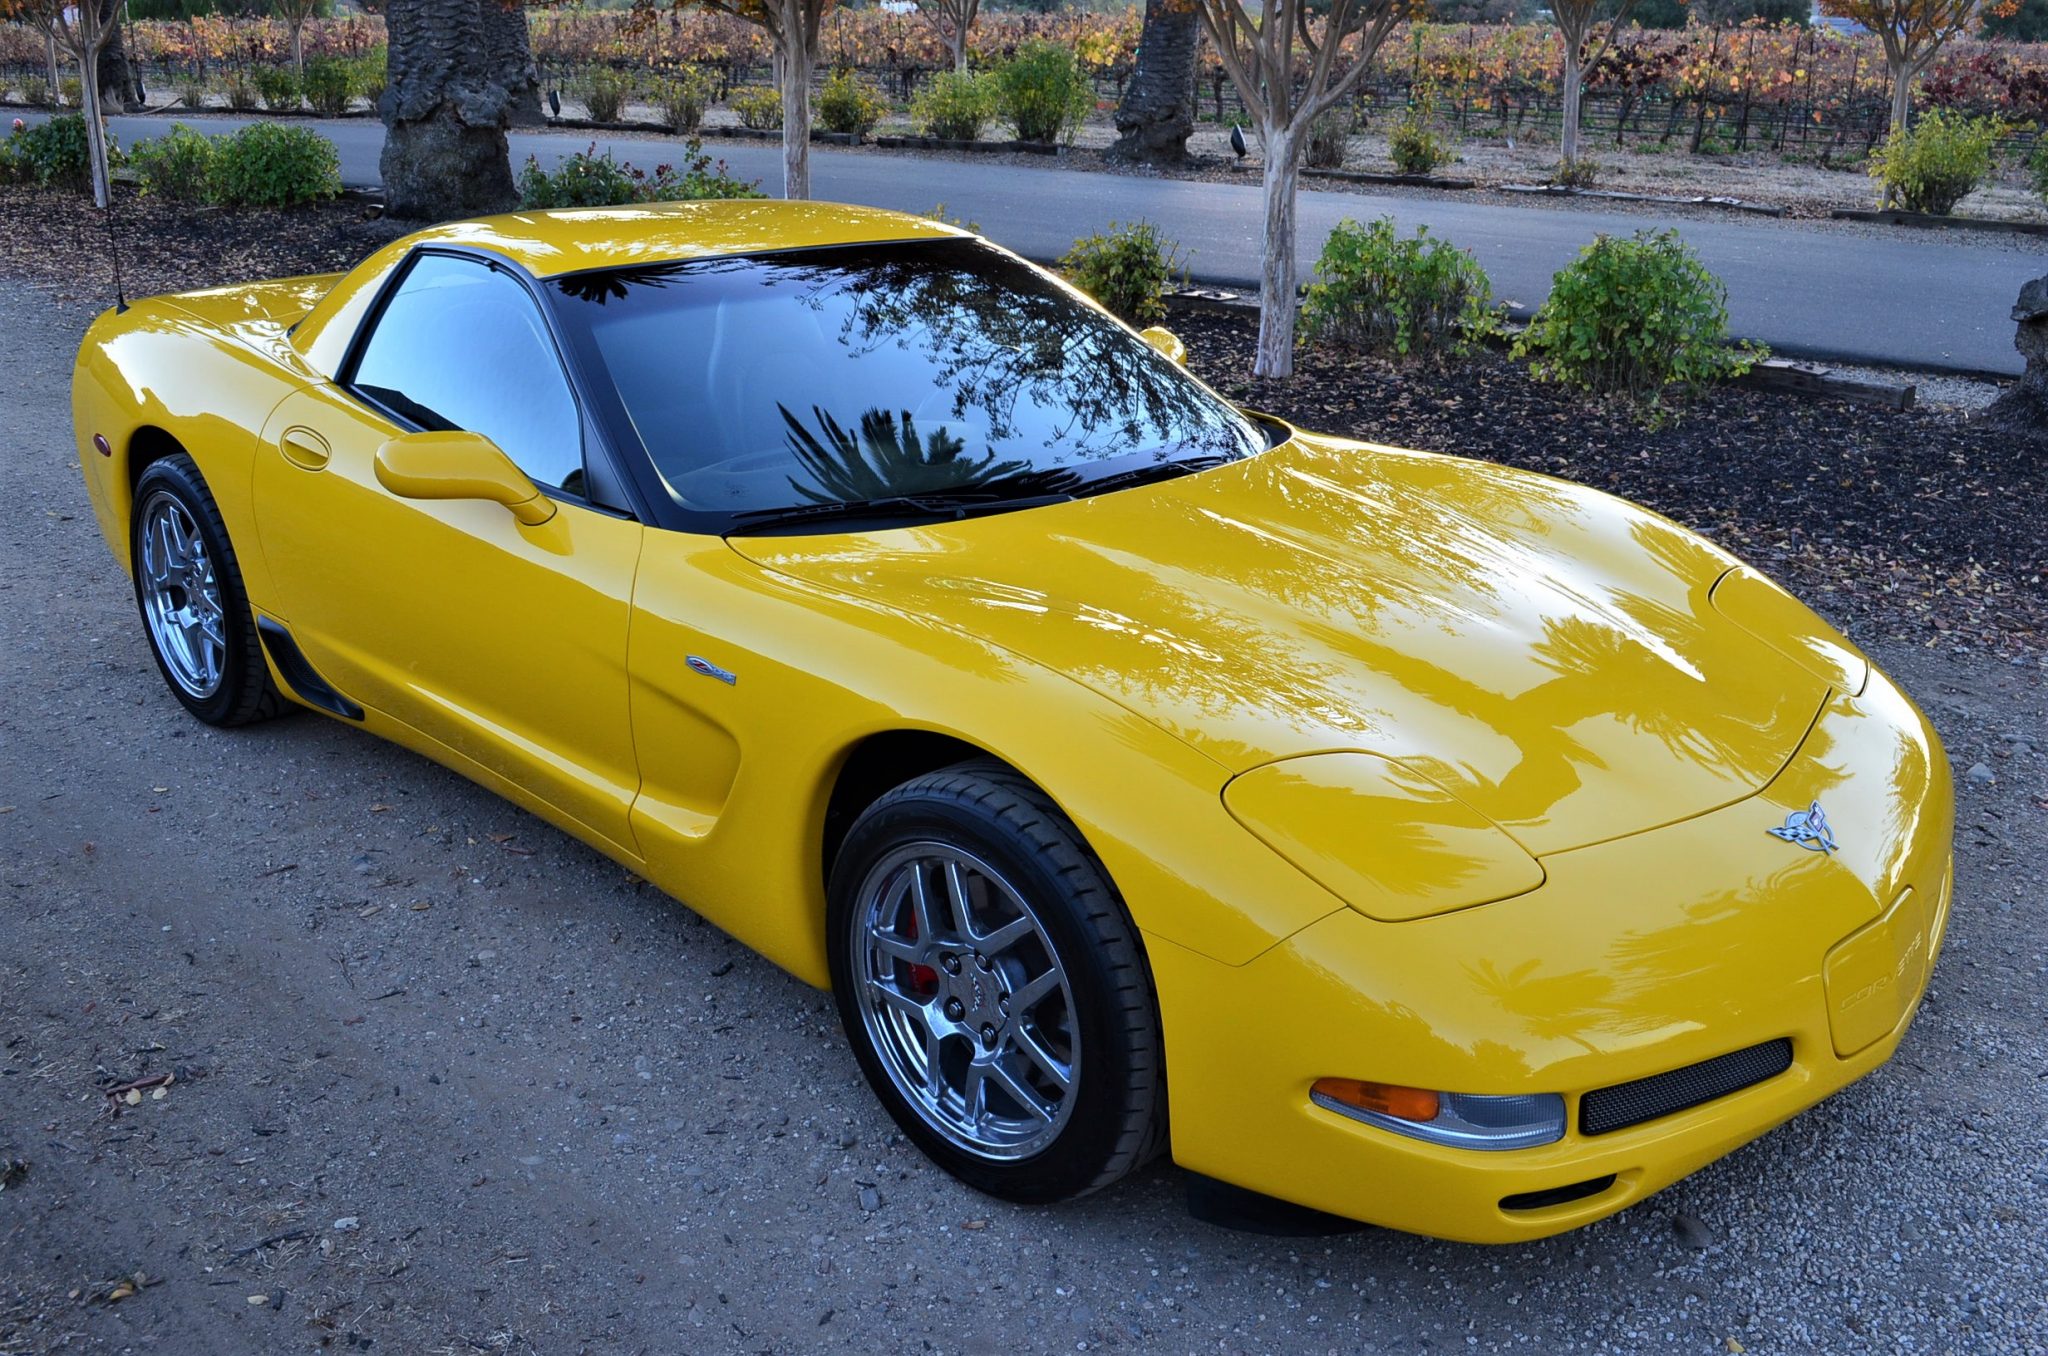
x,y
295,13
82,32
1261,54
792,25
951,19
1913,33
1157,113
1577,22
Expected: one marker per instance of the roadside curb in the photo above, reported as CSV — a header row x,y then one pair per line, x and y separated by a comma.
x,y
1928,219
1662,199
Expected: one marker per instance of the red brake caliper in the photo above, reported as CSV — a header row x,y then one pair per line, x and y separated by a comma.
x,y
923,978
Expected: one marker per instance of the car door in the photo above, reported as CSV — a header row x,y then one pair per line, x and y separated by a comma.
x,y
505,642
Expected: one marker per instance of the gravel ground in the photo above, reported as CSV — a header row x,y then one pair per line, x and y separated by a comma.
x,y
447,1081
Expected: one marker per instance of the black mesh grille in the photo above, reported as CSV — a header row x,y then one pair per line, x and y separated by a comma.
x,y
1626,1104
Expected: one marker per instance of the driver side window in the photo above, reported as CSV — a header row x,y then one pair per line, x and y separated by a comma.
x,y
460,345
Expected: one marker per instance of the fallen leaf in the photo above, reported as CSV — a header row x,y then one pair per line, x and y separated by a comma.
x,y
975,1224
259,1299
133,1097
379,808
421,906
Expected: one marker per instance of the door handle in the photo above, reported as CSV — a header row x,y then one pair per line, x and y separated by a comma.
x,y
304,449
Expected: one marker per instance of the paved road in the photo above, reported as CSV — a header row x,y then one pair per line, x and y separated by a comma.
x,y
1935,301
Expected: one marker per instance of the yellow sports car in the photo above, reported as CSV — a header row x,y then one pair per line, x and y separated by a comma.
x,y
1404,838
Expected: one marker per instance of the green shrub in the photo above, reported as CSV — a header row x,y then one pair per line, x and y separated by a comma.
x,y
605,92
372,72
1583,172
954,105
1126,270
683,98
177,165
330,84
1933,165
1044,92
2037,166
279,87
940,214
54,154
1327,137
591,179
193,90
1413,143
849,104
1641,317
1374,292
240,91
757,107
71,91
274,165
35,91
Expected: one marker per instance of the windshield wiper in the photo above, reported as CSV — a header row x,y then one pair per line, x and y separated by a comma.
x,y
1145,475
948,504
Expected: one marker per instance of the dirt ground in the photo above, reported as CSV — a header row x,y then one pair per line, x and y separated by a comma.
x,y
447,1081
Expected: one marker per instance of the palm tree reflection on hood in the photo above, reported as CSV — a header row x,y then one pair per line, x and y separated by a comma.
x,y
889,457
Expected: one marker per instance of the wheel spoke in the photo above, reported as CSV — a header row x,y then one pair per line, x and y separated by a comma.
x,y
921,905
1005,937
1028,996
900,948
1022,1092
905,1003
1050,1064
934,1073
958,901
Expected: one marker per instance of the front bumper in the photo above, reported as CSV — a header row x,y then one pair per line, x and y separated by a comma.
x,y
1637,956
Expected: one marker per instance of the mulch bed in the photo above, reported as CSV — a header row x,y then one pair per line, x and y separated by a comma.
x,y
1917,526
60,240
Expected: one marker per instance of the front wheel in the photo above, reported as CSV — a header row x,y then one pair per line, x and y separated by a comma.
x,y
993,987
188,587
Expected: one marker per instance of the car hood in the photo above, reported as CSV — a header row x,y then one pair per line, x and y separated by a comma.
x,y
1546,653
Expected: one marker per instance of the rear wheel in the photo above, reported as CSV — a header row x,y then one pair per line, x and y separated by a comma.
x,y
188,587
993,987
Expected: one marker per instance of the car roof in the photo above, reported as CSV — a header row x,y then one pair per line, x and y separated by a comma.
x,y
571,240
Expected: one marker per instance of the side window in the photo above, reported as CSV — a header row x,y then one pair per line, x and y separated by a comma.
x,y
460,345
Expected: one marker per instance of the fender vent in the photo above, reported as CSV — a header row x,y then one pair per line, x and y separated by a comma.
x,y
1617,1108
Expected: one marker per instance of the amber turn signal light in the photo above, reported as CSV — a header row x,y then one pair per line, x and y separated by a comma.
x,y
1388,1099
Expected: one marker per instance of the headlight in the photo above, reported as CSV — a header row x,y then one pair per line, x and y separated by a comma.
x,y
1462,1120
1791,628
1384,839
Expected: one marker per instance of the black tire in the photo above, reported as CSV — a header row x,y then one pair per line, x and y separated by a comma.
x,y
1117,1120
245,692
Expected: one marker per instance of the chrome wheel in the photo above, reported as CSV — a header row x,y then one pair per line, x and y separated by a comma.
x,y
181,601
965,1000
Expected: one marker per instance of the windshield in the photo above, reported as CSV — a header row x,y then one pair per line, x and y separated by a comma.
x,y
941,372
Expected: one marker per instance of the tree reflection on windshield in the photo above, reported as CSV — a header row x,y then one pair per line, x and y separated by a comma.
x,y
889,458
855,372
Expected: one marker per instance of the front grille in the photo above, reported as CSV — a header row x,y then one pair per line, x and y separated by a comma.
x,y
1617,1108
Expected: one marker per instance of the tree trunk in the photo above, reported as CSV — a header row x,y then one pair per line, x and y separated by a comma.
x,y
56,73
95,129
956,44
444,111
511,55
299,48
1573,79
1902,94
1157,113
796,62
1277,288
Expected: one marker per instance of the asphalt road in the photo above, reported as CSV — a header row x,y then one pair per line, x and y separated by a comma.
x,y
1935,301
448,1081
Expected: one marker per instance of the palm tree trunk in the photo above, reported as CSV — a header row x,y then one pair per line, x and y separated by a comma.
x,y
445,112
1157,113
511,54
